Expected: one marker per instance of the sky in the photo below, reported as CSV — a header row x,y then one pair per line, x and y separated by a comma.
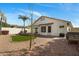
x,y
64,11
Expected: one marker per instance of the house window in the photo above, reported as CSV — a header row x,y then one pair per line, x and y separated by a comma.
x,y
43,29
61,34
67,24
49,29
61,26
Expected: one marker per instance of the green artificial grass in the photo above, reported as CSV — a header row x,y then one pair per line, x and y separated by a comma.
x,y
19,38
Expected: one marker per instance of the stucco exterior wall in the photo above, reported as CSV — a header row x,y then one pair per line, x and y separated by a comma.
x,y
14,30
56,30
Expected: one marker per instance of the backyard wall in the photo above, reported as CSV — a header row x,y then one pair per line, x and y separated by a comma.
x,y
72,36
75,30
14,30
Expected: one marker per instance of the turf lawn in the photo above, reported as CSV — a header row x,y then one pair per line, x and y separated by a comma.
x,y
19,38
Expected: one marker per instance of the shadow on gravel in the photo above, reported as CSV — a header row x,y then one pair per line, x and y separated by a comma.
x,y
56,48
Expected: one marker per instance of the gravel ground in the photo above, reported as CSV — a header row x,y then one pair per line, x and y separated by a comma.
x,y
56,48
7,45
41,47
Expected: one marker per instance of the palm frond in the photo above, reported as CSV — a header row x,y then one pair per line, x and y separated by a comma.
x,y
23,17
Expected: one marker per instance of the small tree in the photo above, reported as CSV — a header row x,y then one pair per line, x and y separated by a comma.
x,y
24,18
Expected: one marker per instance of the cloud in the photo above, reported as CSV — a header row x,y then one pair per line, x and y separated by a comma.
x,y
12,18
49,5
75,22
65,6
72,7
62,6
36,13
27,12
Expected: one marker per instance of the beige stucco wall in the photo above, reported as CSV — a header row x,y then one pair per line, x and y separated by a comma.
x,y
14,30
56,30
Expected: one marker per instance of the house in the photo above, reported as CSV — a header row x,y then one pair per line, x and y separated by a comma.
x,y
51,26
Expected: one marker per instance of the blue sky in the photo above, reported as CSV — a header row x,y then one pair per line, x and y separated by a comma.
x,y
65,11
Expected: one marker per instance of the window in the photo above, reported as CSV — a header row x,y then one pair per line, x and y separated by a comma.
x,y
61,34
36,30
43,29
67,24
49,29
61,26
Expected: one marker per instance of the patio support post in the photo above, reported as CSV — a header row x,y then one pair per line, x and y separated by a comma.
x,y
31,15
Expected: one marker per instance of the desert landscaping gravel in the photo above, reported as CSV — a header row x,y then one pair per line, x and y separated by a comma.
x,y
41,47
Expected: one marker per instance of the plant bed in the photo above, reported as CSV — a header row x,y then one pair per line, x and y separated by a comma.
x,y
61,35
5,32
19,38
72,37
72,42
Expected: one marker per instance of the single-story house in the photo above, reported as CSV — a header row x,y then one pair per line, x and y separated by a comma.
x,y
51,26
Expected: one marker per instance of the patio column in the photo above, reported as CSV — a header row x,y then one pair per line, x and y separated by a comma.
x,y
46,29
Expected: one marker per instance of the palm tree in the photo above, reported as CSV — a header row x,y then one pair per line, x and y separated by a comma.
x,y
24,18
